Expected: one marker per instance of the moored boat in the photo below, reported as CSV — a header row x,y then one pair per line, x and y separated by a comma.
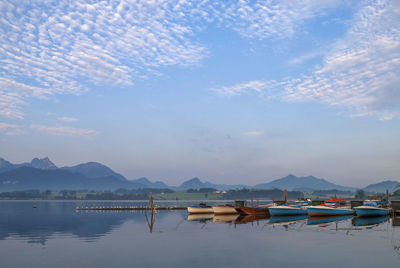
x,y
254,210
287,210
200,209
328,211
224,209
371,209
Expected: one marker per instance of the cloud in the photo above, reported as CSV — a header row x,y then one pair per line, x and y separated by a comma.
x,y
64,131
360,72
63,47
273,19
68,119
10,129
254,133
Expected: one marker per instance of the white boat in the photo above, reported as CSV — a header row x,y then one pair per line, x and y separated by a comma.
x,y
200,210
224,209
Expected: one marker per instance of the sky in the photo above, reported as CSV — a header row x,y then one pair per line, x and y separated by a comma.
x,y
227,91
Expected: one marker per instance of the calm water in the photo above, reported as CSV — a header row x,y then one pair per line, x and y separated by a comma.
x,y
55,235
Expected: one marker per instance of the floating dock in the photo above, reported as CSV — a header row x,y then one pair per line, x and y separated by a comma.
x,y
130,208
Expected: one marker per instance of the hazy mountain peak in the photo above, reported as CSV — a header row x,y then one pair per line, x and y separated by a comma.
x,y
94,170
4,163
43,163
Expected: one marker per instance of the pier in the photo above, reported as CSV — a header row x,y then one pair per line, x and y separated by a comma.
x,y
119,208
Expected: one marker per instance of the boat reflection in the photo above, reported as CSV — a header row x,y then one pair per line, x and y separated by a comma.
x,y
200,217
225,218
325,221
243,219
287,220
369,222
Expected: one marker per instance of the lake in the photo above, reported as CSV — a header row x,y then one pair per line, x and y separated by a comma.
x,y
56,235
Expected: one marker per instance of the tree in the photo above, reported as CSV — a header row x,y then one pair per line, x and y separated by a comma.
x,y
360,194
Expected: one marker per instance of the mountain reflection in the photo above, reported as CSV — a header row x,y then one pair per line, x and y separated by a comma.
x,y
37,225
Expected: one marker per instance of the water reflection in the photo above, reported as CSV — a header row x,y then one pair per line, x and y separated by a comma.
x,y
37,225
225,218
287,220
325,221
200,217
243,219
370,222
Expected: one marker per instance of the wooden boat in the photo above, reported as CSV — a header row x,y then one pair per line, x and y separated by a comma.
x,y
371,209
224,209
328,211
287,210
254,211
200,217
202,208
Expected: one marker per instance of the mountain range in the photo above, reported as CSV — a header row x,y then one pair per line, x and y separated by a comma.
x,y
43,174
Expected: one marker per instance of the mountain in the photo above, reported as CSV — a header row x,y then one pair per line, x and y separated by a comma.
x,y
196,183
43,163
381,187
94,170
306,184
148,184
25,178
5,165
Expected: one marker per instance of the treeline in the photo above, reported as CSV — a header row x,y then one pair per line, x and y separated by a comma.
x,y
28,194
120,194
275,194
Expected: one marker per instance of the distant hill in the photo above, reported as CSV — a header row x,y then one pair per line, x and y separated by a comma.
x,y
94,170
306,184
381,187
43,163
196,183
25,178
148,184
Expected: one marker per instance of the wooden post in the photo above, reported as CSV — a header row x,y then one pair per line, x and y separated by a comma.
x,y
387,198
150,206
285,195
252,204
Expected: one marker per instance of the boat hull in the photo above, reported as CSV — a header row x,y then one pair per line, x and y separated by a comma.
x,y
254,211
200,210
328,211
365,211
224,210
286,210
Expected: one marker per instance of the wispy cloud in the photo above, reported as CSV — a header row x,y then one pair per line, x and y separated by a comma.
x,y
361,71
62,47
68,119
271,18
64,131
10,129
254,133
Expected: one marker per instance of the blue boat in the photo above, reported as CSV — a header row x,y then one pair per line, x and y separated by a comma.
x,y
371,209
287,210
328,211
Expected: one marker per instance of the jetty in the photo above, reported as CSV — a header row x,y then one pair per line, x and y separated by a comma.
x,y
129,208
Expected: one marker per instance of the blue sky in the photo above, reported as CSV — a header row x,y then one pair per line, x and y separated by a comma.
x,y
229,91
